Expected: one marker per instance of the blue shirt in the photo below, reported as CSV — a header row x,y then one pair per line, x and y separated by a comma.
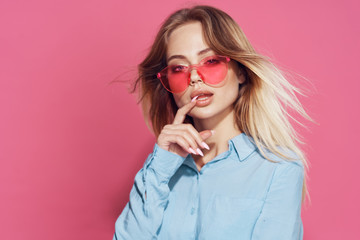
x,y
237,195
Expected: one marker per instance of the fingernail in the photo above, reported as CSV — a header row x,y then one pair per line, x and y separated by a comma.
x,y
192,100
192,151
205,145
200,152
212,132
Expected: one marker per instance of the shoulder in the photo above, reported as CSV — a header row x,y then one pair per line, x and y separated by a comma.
x,y
292,167
289,158
286,180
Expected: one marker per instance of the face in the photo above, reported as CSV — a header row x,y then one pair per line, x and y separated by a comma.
x,y
187,46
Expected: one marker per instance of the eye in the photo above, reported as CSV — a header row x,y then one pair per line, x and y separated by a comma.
x,y
211,61
178,68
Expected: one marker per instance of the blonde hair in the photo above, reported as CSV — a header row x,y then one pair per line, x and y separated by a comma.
x,y
265,98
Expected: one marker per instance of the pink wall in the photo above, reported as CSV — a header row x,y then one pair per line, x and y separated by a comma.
x,y
70,144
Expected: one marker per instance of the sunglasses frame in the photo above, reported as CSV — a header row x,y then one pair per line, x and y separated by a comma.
x,y
160,74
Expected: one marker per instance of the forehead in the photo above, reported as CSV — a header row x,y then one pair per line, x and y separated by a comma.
x,y
186,40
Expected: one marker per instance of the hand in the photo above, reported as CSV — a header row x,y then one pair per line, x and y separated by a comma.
x,y
182,139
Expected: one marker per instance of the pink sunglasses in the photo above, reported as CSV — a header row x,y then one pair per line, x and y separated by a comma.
x,y
212,71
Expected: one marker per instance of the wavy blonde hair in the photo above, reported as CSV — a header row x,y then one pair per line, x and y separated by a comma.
x,y
264,98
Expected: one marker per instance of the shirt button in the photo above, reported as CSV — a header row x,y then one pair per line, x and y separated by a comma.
x,y
192,211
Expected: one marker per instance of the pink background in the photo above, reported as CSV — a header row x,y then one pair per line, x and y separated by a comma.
x,y
71,144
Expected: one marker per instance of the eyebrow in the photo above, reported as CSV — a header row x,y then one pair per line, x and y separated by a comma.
x,y
202,52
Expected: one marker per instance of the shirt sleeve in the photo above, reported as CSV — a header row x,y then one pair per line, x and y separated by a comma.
x,y
142,216
280,217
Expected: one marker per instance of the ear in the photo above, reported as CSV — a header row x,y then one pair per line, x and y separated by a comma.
x,y
241,75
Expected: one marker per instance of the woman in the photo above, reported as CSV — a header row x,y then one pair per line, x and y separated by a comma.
x,y
226,164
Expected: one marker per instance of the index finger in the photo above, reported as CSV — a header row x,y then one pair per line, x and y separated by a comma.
x,y
181,113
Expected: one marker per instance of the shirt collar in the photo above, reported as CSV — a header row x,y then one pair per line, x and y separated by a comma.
x,y
242,144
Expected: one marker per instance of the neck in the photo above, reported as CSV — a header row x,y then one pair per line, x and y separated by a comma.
x,y
225,129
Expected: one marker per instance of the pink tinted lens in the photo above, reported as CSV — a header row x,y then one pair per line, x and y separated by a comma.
x,y
214,71
177,81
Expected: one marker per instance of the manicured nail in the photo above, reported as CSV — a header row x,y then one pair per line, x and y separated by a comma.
x,y
200,152
212,132
192,100
205,145
192,151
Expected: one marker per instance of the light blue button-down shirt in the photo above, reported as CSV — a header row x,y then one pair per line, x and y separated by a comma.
x,y
237,195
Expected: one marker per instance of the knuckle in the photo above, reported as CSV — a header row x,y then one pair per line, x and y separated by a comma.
x,y
192,129
181,110
166,131
180,139
183,133
160,139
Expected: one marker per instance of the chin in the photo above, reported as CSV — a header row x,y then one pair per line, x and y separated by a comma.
x,y
211,112
202,113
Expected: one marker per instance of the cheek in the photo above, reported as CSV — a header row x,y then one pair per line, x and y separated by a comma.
x,y
229,97
231,90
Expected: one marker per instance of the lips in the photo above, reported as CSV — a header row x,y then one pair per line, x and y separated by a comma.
x,y
204,97
202,94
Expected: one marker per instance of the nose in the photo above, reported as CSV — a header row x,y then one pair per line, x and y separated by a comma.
x,y
195,77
